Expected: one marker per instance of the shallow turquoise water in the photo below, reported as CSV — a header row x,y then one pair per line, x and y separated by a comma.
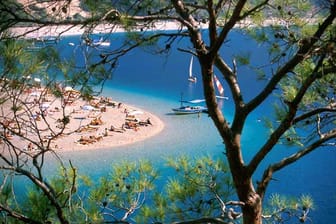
x,y
155,83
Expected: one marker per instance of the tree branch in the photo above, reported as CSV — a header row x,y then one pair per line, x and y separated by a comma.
x,y
306,47
188,20
50,194
232,81
287,121
267,176
254,9
191,24
329,108
212,23
229,25
16,215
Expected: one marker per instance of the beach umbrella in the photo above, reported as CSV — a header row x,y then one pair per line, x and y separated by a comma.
x,y
88,107
135,112
45,106
68,88
35,93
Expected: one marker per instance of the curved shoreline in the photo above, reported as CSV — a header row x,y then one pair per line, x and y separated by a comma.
x,y
113,116
115,138
80,125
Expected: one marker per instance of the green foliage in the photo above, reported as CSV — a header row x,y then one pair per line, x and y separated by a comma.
x,y
124,190
279,111
243,58
192,191
20,64
64,185
281,207
134,191
6,194
306,202
320,92
291,138
11,63
143,40
38,206
290,90
127,23
96,7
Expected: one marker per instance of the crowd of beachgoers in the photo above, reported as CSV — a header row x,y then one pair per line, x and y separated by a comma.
x,y
70,122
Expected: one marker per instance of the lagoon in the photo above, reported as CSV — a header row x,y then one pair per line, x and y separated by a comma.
x,y
155,83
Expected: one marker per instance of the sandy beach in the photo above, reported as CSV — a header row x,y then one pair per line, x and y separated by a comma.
x,y
68,30
74,8
106,126
96,124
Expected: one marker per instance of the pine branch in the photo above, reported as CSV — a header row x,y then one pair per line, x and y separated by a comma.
x,y
229,25
16,215
267,176
330,108
304,49
255,9
187,19
47,190
288,120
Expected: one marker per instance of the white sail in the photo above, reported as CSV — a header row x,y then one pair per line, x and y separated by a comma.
x,y
196,101
191,77
190,66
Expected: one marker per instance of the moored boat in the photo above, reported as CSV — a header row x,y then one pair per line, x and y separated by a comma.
x,y
190,110
96,42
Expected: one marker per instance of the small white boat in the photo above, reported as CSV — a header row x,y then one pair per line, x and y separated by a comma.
x,y
100,42
190,110
96,42
191,78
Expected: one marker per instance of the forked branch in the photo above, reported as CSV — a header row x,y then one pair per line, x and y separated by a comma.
x,y
267,176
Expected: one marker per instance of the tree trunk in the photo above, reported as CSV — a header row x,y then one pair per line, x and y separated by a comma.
x,y
252,210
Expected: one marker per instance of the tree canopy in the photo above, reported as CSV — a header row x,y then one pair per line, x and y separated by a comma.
x,y
299,35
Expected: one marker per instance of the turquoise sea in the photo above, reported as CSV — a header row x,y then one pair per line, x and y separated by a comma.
x,y
155,83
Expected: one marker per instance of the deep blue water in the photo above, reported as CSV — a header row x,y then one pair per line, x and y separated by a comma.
x,y
155,83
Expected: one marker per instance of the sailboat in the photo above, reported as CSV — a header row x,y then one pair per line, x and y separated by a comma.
x,y
220,89
191,77
189,109
96,42
100,42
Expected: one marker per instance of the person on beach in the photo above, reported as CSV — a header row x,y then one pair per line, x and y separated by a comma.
x,y
30,147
